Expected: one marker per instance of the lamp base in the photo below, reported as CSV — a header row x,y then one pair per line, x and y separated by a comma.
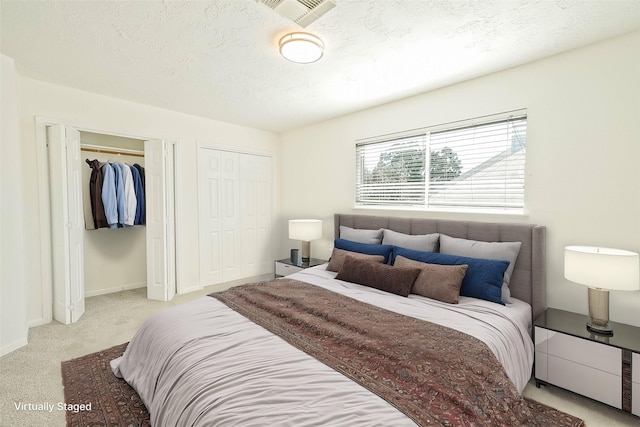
x,y
599,312
599,330
306,251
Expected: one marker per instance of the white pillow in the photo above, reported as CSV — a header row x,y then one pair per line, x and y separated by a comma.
x,y
361,235
507,251
419,242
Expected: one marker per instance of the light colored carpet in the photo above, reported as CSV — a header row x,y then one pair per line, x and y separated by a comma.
x,y
31,375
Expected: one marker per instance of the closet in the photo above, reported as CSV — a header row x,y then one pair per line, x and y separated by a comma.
x,y
115,259
88,261
235,215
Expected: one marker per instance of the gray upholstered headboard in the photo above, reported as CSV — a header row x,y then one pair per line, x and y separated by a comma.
x,y
528,282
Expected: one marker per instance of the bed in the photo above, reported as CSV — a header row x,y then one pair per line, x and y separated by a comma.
x,y
311,349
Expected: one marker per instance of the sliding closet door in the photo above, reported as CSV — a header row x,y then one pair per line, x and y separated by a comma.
x,y
248,213
231,233
264,215
255,211
219,216
209,214
160,199
67,223
234,203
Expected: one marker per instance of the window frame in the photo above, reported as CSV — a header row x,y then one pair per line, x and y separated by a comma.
x,y
510,201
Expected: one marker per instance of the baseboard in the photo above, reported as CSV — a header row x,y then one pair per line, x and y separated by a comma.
x,y
105,291
189,290
13,346
36,322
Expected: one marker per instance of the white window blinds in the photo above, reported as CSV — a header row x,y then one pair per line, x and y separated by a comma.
x,y
391,172
475,164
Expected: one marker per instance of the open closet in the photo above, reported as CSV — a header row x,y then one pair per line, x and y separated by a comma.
x,y
89,258
115,256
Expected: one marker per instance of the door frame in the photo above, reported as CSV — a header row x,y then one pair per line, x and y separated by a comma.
x,y
44,199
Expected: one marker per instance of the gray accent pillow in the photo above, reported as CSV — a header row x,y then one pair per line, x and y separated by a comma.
x,y
361,235
440,282
504,251
419,242
339,255
396,280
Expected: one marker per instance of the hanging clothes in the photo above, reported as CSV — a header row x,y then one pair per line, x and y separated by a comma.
x,y
95,194
117,195
143,212
139,190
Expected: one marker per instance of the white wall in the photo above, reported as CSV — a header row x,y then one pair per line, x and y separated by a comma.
x,y
110,115
583,156
13,328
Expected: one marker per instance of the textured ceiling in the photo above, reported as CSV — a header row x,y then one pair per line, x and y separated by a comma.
x,y
219,59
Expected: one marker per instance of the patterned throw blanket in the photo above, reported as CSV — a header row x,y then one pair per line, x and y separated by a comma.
x,y
433,374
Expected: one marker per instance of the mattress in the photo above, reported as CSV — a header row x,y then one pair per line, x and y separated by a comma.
x,y
249,376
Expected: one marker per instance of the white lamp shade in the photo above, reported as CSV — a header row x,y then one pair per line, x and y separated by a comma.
x,y
305,229
604,268
302,48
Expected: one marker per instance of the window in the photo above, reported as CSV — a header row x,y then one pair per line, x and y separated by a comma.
x,y
475,164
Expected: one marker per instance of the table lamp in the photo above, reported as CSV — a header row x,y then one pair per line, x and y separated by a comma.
x,y
601,269
305,230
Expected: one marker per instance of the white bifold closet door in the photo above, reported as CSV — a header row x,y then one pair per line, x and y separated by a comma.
x,y
160,207
235,215
67,221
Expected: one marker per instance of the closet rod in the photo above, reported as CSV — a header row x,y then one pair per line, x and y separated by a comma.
x,y
102,150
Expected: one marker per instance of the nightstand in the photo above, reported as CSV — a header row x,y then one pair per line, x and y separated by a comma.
x,y
603,368
285,267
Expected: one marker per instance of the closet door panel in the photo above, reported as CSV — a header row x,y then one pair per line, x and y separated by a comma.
x,y
231,253
159,202
264,209
76,224
170,242
59,237
210,223
67,223
155,172
248,189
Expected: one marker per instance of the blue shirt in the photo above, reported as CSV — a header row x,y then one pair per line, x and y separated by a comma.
x,y
109,195
119,192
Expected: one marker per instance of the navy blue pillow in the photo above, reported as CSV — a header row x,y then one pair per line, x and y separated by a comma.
x,y
483,279
365,248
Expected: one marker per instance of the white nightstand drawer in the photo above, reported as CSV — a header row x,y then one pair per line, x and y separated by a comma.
x,y
635,368
599,356
286,269
584,380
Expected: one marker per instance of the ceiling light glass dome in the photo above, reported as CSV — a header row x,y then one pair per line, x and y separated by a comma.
x,y
302,48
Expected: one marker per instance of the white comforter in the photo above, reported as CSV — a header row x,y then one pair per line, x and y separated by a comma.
x,y
202,361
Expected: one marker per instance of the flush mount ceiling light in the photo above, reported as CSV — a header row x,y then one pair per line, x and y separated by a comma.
x,y
302,48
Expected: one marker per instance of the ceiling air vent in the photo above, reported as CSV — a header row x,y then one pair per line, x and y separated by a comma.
x,y
302,12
